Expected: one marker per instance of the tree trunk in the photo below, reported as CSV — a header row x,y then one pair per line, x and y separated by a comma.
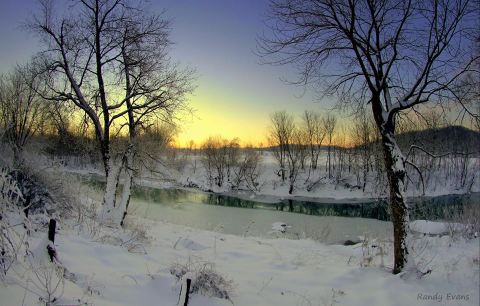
x,y
127,185
105,152
111,187
328,160
395,167
17,157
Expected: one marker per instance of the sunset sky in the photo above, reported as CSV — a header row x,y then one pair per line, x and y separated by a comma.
x,y
235,93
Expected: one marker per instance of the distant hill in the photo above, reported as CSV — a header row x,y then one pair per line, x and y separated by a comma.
x,y
442,140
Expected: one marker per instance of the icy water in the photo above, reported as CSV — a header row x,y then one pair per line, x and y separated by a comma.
x,y
258,222
328,222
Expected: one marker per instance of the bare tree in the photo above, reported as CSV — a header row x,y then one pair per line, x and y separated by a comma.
x,y
339,153
90,56
248,170
280,138
315,134
329,123
22,110
362,131
155,89
296,151
221,159
392,54
192,153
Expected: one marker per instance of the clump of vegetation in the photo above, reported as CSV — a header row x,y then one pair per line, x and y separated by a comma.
x,y
12,237
226,162
205,279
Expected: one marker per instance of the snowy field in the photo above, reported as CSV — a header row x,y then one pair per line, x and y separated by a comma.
x,y
148,261
111,270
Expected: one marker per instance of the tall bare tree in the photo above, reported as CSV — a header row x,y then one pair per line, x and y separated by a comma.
x,y
147,69
109,58
390,54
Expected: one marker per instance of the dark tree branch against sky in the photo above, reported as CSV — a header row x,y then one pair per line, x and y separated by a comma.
x,y
216,37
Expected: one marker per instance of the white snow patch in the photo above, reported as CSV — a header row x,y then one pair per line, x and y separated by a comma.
x,y
428,227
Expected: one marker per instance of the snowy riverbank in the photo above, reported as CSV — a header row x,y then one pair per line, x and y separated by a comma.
x,y
329,194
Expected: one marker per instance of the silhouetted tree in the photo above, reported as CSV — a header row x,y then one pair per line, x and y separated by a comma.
x,y
329,122
280,138
110,60
392,54
315,134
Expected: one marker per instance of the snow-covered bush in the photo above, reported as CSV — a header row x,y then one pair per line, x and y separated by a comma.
x,y
372,252
132,236
205,279
13,225
58,192
86,217
33,271
135,237
46,280
464,222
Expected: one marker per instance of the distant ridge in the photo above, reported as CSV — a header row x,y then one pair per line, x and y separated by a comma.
x,y
437,141
442,140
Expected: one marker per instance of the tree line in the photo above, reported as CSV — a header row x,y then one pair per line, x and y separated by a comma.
x,y
353,154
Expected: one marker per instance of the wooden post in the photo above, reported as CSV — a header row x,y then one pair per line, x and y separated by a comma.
x,y
51,237
189,281
51,230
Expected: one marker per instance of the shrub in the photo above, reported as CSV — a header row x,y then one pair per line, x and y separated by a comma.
x,y
205,279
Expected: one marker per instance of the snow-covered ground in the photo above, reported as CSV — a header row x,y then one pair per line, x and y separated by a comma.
x,y
263,271
135,266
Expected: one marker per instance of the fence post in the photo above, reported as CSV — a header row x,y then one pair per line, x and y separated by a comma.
x,y
187,291
51,237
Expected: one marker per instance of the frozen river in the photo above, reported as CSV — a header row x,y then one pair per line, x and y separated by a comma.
x,y
328,222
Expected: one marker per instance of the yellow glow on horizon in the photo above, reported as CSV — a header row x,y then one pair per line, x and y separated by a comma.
x,y
219,113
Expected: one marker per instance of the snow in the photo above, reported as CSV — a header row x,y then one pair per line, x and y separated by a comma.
x,y
435,228
264,271
428,227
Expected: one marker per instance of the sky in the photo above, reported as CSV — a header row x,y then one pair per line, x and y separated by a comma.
x,y
235,94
